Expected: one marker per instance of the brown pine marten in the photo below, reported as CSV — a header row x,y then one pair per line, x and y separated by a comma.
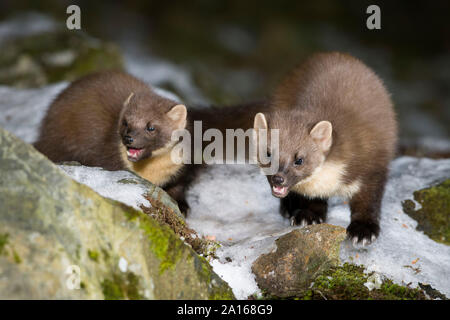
x,y
115,121
337,135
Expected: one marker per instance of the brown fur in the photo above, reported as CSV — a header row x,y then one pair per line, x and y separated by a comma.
x,y
340,89
82,123
93,120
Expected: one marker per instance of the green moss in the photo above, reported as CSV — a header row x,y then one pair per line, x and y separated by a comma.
x,y
77,252
434,215
111,290
347,283
223,294
3,242
93,255
169,249
122,286
105,254
207,276
165,215
162,240
127,181
16,257
130,213
166,246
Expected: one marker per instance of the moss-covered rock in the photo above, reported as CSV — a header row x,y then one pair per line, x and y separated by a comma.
x,y
433,216
61,240
54,56
350,282
300,256
160,205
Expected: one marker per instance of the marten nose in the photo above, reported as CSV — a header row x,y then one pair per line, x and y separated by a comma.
x,y
128,140
278,180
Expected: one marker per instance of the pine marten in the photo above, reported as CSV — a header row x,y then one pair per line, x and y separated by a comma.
x,y
337,135
116,121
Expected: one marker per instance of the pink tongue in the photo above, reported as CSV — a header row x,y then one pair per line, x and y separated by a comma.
x,y
134,152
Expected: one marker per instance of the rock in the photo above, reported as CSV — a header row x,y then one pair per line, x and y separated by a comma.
x,y
61,240
131,189
53,56
433,215
299,258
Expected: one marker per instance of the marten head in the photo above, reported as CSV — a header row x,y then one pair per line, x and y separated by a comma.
x,y
146,124
301,152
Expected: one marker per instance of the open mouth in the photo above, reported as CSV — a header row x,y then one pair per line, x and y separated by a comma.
x,y
279,192
134,153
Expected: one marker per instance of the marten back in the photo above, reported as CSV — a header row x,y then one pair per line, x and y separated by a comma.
x,y
341,89
82,122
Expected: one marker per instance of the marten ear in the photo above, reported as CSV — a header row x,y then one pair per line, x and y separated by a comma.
x,y
260,121
178,115
128,99
322,134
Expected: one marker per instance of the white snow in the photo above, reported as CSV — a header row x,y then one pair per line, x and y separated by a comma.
x,y
107,184
158,72
21,110
123,264
24,25
374,282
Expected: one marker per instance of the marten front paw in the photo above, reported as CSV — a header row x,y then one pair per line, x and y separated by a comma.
x,y
305,217
363,232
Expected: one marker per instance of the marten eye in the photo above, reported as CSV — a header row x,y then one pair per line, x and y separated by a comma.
x,y
150,128
298,162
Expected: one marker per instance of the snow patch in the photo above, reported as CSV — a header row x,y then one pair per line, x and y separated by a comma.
x,y
22,110
108,184
123,264
25,24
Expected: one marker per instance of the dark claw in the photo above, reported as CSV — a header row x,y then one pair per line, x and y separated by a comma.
x,y
363,232
305,217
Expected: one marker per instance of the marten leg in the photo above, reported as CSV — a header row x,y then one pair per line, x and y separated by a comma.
x,y
365,209
302,210
177,192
